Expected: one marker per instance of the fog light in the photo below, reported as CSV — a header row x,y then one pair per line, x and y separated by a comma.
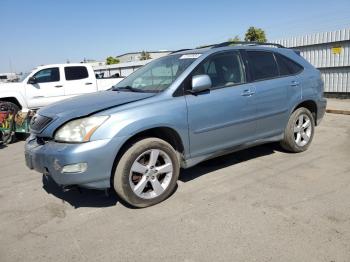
x,y
75,168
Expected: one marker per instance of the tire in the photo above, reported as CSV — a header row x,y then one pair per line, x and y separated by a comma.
x,y
9,136
299,131
143,164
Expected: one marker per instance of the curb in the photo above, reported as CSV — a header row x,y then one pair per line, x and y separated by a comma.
x,y
337,111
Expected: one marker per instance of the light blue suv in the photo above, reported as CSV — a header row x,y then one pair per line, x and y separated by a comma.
x,y
175,112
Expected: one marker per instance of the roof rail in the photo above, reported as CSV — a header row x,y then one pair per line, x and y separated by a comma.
x,y
228,43
244,43
180,50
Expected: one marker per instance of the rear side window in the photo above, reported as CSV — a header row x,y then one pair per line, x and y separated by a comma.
x,y
262,65
75,72
287,66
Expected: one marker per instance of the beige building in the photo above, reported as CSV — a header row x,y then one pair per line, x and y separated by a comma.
x,y
135,56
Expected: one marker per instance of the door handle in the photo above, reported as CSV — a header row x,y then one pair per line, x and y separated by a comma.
x,y
88,83
247,92
294,83
58,86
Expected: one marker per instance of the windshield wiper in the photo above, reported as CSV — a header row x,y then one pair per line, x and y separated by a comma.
x,y
127,88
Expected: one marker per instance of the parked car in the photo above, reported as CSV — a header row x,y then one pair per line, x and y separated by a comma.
x,y
51,83
175,112
46,85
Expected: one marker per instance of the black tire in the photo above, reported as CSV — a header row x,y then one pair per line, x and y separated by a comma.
x,y
9,136
121,178
289,142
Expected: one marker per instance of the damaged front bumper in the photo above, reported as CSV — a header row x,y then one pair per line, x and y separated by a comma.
x,y
87,164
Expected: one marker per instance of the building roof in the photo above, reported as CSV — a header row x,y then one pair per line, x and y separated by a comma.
x,y
316,38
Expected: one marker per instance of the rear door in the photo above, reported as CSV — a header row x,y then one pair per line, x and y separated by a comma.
x,y
78,81
225,115
48,88
271,93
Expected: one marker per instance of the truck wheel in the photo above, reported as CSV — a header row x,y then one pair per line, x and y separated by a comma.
x,y
299,131
147,172
8,135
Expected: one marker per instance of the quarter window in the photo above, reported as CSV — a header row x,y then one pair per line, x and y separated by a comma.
x,y
287,66
262,65
224,69
48,75
76,72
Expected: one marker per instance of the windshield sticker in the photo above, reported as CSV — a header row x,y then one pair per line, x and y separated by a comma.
x,y
190,56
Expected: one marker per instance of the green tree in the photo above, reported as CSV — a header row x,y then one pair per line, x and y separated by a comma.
x,y
112,60
145,55
255,34
235,39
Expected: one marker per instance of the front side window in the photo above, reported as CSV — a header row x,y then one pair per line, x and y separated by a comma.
x,y
224,69
262,65
287,66
75,72
157,75
48,75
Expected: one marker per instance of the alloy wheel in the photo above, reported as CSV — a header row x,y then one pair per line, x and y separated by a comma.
x,y
302,130
151,173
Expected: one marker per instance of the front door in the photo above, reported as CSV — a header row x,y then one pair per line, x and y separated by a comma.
x,y
224,116
47,89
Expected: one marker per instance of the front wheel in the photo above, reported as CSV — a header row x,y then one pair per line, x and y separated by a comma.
x,y
299,131
147,172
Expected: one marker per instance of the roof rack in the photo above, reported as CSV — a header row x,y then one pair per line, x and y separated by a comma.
x,y
180,50
228,43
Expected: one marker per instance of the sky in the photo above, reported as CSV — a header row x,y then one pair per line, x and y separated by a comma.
x,y
36,32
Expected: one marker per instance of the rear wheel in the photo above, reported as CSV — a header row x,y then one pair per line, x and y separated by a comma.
x,y
147,172
299,131
8,111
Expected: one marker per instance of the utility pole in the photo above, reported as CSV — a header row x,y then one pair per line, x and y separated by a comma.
x,y
10,63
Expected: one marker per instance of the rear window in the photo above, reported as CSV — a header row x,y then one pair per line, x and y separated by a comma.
x,y
76,72
262,64
287,66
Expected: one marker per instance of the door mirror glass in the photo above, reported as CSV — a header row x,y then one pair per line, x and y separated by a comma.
x,y
32,80
201,83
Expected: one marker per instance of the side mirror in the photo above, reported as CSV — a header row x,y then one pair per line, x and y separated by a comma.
x,y
32,80
200,83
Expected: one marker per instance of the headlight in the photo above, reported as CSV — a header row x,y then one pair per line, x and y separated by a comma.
x,y
79,130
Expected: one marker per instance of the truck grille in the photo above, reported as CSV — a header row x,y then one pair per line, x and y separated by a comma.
x,y
38,122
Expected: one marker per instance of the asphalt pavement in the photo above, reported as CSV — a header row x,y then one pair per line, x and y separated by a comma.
x,y
260,204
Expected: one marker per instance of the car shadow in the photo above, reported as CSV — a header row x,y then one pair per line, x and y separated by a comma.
x,y
217,163
81,197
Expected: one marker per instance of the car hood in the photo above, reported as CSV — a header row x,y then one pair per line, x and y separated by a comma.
x,y
91,103
10,86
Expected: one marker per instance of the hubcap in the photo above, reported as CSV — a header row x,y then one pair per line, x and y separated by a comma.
x,y
151,173
302,130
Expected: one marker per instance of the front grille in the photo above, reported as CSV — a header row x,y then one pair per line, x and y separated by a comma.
x,y
38,122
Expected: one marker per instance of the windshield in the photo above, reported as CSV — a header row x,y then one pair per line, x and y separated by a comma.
x,y
157,75
23,76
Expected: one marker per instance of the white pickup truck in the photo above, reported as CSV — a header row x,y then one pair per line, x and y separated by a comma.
x,y
52,83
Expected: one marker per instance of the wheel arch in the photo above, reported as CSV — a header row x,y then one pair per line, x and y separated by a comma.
x,y
165,133
310,105
12,100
